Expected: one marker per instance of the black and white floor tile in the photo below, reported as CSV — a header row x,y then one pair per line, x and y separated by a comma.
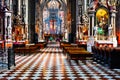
x,y
51,64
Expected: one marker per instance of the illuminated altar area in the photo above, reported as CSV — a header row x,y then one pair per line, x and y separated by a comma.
x,y
101,27
104,30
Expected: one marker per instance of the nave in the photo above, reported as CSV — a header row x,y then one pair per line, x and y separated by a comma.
x,y
51,64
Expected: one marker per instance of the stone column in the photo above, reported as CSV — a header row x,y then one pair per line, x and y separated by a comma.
x,y
72,35
85,5
90,41
91,22
26,19
31,21
19,7
1,3
113,22
11,4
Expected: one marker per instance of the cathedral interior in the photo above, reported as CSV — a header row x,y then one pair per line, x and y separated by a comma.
x,y
60,39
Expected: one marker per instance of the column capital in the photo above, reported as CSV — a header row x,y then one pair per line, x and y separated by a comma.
x,y
91,12
113,12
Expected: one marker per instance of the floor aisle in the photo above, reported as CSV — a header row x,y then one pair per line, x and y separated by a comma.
x,y
51,64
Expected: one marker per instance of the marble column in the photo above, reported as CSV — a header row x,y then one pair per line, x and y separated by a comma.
x,y
85,5
19,7
113,22
91,22
26,18
90,41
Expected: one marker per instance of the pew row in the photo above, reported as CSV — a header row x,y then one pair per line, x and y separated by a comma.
x,y
29,49
74,52
107,56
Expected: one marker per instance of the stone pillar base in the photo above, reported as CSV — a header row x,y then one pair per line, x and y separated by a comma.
x,y
114,42
90,43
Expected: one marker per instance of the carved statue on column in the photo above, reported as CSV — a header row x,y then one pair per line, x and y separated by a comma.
x,y
95,30
93,5
110,29
112,4
85,18
104,3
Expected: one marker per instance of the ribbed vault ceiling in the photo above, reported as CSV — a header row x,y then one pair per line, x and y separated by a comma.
x,y
62,3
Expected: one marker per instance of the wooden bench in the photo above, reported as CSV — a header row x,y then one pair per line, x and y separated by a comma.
x,y
65,50
107,56
25,50
77,54
72,48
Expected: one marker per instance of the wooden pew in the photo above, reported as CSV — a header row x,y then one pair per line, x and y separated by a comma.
x,y
26,50
107,56
79,54
65,50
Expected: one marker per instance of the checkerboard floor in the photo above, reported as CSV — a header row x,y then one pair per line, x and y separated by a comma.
x,y
51,64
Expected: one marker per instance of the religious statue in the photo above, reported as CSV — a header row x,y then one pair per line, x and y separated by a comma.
x,y
112,4
104,3
95,30
85,18
93,5
110,29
